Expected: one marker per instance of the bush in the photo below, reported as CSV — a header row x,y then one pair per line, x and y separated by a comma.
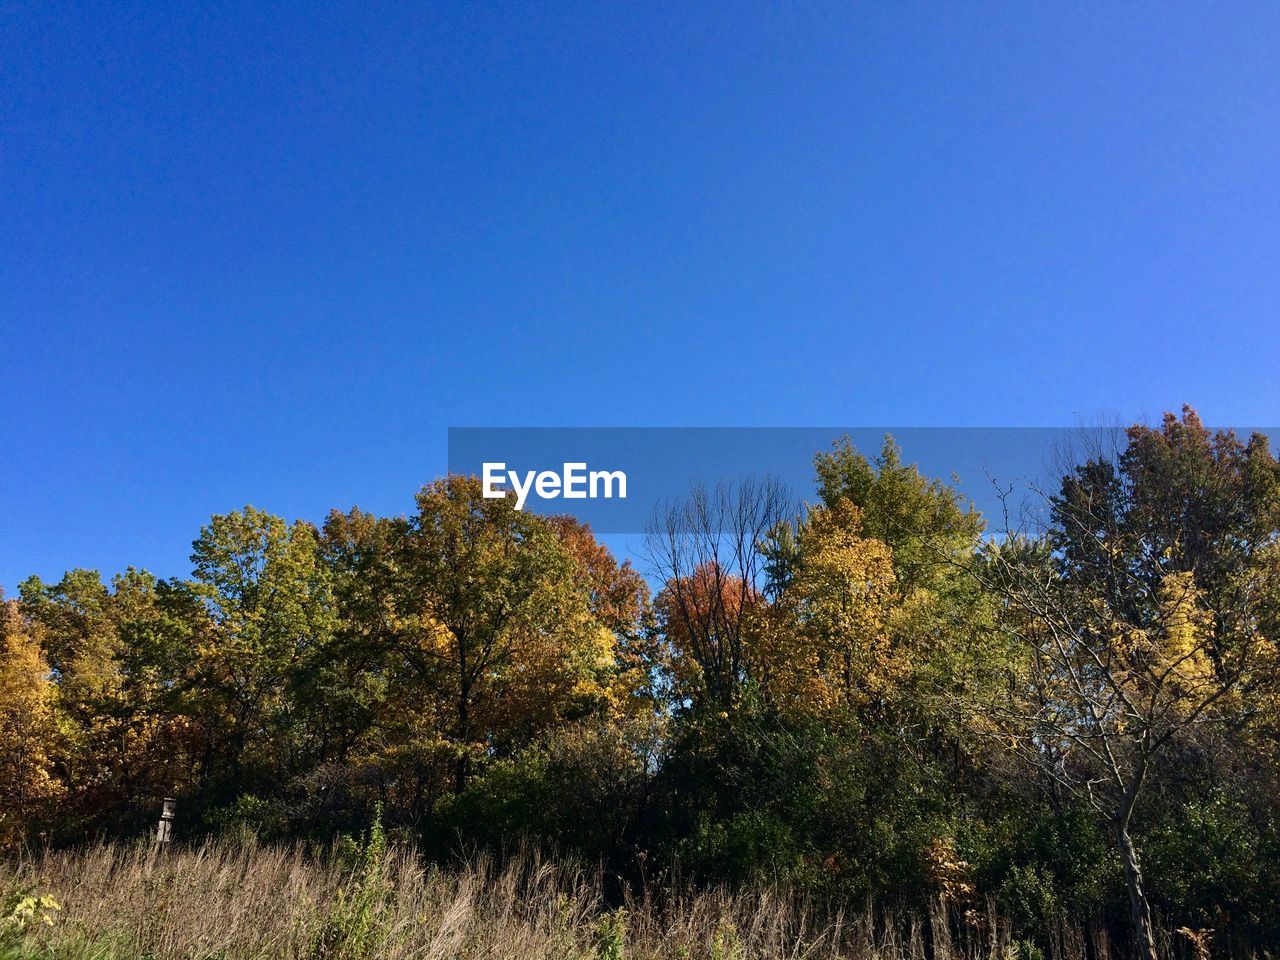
x,y
357,926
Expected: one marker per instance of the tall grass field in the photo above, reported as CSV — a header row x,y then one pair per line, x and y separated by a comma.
x,y
236,900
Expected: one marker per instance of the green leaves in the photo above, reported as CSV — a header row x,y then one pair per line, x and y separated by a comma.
x,y
842,700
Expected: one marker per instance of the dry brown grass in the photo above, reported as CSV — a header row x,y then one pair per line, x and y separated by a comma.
x,y
242,900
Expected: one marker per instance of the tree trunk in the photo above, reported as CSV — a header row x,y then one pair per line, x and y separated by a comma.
x,y
464,732
1143,933
464,714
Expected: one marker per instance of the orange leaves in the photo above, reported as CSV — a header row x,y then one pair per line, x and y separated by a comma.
x,y
704,618
817,646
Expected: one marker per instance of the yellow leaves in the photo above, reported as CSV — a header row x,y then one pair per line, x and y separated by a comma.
x,y
825,645
28,725
35,910
1187,628
1166,665
603,647
432,636
530,674
951,876
1170,659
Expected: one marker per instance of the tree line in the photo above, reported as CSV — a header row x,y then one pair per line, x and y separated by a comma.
x,y
872,694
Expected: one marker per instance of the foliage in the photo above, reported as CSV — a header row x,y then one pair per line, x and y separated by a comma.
x,y
357,926
865,697
28,727
611,935
23,912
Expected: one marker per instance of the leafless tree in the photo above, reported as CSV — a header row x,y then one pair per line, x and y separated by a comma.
x,y
706,549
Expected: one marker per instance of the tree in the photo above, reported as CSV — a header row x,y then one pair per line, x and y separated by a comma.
x,y
618,598
28,727
933,647
933,627
826,649
269,599
359,550
705,617
922,520
618,595
707,550
102,720
494,623
1138,619
80,639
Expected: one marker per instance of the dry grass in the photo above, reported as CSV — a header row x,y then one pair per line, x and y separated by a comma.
x,y
238,900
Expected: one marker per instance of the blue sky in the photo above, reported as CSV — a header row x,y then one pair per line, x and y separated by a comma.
x,y
270,253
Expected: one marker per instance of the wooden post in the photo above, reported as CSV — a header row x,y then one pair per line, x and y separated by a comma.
x,y
164,833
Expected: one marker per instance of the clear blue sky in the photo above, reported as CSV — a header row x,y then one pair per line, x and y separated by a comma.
x,y
268,254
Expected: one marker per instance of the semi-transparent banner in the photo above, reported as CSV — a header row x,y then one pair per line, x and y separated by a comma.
x,y
618,479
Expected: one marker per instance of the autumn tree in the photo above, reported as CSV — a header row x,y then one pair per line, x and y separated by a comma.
x,y
73,621
931,534
825,647
932,646
79,637
707,551
922,520
1141,618
495,624
618,598
29,735
706,620
832,696
873,630
114,653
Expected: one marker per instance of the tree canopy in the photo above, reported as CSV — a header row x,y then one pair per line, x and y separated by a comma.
x,y
873,694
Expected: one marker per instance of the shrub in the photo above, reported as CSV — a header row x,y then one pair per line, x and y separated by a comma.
x,y
358,924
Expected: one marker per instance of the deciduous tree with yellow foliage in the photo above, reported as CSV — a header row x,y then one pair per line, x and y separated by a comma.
x,y
1142,617
28,728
